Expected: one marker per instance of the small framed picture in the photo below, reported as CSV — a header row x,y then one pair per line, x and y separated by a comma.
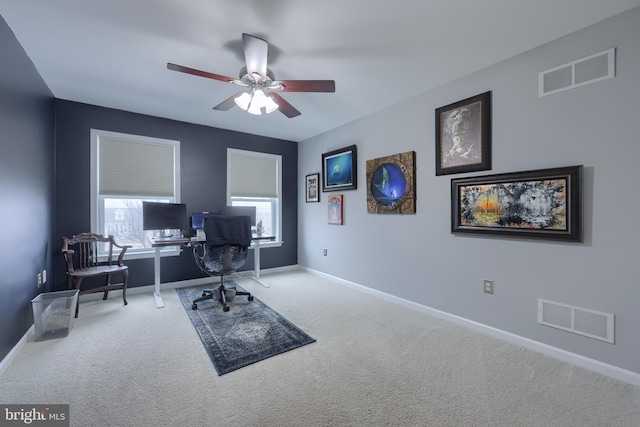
x,y
312,193
335,209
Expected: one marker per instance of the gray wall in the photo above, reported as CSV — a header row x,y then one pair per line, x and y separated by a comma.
x,y
415,257
26,187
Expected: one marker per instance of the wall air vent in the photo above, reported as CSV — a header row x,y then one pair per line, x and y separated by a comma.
x,y
590,323
591,69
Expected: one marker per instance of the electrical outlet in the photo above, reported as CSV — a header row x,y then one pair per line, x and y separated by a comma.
x,y
44,276
39,279
488,286
324,252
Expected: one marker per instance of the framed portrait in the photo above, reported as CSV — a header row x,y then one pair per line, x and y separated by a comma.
x,y
391,184
463,136
312,191
335,211
538,204
339,169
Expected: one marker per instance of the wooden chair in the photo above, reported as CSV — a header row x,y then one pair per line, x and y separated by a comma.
x,y
81,256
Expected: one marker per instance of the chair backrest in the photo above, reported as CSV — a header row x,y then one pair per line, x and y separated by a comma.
x,y
226,247
81,251
228,230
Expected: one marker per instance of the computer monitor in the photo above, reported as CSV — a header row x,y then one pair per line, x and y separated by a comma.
x,y
197,219
164,216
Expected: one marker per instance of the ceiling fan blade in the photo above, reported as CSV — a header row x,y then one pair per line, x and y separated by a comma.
x,y
255,54
228,103
308,85
200,73
284,106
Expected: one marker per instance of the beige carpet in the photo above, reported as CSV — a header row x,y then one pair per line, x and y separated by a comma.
x,y
374,364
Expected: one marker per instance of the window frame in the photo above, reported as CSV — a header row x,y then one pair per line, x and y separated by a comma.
x,y
97,210
277,201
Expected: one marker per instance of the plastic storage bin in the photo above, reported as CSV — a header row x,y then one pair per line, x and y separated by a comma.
x,y
53,314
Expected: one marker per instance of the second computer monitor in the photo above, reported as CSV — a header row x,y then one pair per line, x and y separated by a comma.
x,y
197,218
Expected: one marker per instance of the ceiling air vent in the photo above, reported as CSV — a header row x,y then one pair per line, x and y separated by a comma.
x,y
590,323
591,69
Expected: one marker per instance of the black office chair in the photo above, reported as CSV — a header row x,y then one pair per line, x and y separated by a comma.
x,y
224,251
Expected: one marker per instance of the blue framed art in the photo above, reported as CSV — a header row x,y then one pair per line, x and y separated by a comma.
x,y
339,169
391,184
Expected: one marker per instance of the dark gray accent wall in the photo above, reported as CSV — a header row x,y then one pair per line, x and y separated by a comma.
x,y
26,187
203,152
44,184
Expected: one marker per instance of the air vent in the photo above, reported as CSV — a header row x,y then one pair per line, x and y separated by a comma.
x,y
591,69
590,323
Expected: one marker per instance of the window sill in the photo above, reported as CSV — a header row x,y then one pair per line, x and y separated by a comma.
x,y
267,244
151,253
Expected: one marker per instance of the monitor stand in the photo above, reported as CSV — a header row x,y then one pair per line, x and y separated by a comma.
x,y
166,234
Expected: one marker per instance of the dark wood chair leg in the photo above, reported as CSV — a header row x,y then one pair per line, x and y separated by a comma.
x,y
76,285
106,292
125,278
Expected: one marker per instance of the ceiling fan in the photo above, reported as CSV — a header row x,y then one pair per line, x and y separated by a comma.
x,y
260,95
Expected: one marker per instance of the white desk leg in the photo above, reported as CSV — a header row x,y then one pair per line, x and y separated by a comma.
x,y
156,276
256,264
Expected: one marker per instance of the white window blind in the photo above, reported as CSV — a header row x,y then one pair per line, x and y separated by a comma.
x,y
131,167
251,174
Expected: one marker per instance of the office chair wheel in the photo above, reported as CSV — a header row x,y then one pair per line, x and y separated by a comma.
x,y
250,297
194,306
225,308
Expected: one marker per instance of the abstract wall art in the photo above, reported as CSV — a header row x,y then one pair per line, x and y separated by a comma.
x,y
539,204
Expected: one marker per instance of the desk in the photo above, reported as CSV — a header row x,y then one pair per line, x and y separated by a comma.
x,y
158,244
256,256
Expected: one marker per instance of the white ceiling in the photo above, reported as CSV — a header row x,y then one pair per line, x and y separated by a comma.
x,y
114,53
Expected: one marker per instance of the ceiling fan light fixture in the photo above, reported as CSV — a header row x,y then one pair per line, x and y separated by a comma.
x,y
243,101
269,104
256,102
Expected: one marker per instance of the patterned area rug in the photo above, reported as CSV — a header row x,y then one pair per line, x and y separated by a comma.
x,y
249,332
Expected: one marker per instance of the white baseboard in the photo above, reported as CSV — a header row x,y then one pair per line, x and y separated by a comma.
x,y
186,283
557,353
4,364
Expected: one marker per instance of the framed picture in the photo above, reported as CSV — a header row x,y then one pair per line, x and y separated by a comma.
x,y
335,209
463,136
539,204
339,169
391,184
312,193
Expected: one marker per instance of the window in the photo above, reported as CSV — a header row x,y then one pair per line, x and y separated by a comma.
x,y
255,179
125,171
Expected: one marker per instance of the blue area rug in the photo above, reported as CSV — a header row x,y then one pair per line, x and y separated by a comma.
x,y
249,332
